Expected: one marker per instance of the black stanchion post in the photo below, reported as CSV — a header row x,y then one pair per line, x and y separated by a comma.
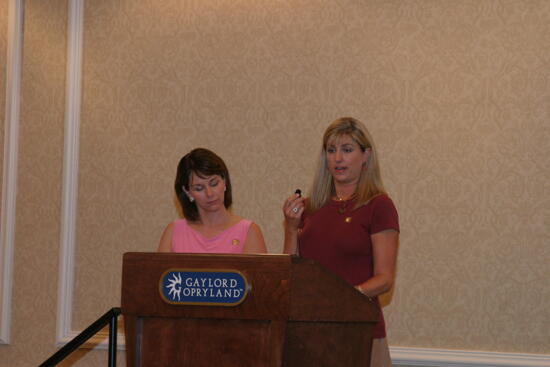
x,y
112,340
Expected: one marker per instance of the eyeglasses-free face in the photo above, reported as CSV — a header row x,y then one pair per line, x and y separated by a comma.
x,y
345,159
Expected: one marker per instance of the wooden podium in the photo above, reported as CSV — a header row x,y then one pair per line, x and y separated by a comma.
x,y
296,314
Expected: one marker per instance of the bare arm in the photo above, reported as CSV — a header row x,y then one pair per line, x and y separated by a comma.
x,y
291,241
255,243
291,223
384,245
165,244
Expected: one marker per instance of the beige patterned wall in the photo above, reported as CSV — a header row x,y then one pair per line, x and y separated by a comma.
x,y
455,93
39,186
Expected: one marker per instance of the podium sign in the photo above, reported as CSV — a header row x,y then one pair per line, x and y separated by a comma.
x,y
203,287
241,310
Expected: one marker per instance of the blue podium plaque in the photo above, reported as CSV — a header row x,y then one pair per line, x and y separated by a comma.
x,y
203,287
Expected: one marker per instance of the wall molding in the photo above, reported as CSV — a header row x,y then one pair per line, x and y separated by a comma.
x,y
70,171
463,358
9,170
64,332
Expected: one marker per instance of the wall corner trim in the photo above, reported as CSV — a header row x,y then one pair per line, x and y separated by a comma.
x,y
64,332
70,168
9,171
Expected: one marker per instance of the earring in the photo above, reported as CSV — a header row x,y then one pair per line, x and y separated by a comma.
x,y
191,199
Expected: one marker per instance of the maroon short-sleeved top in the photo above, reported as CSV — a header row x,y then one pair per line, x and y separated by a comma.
x,y
338,237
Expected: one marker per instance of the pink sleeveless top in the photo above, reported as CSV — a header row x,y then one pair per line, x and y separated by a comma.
x,y
230,241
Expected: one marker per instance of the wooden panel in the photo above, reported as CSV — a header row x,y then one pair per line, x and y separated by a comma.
x,y
130,334
318,294
319,344
206,343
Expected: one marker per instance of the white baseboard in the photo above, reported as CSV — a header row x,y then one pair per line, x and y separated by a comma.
x,y
400,355
463,358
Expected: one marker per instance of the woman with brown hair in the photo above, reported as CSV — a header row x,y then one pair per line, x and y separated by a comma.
x,y
203,188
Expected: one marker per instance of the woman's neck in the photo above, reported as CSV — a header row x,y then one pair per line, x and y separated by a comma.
x,y
215,219
345,192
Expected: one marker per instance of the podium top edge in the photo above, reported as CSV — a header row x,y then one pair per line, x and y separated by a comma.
x,y
165,256
261,258
205,254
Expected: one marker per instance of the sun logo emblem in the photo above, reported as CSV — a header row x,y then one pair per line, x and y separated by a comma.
x,y
174,286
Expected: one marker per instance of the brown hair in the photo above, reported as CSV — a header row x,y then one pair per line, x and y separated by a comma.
x,y
203,163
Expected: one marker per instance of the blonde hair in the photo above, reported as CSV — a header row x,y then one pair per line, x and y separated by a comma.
x,y
370,182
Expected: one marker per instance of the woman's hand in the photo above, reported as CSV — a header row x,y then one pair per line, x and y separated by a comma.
x,y
293,209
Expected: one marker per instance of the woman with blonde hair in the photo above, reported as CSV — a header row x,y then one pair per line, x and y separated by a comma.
x,y
348,224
